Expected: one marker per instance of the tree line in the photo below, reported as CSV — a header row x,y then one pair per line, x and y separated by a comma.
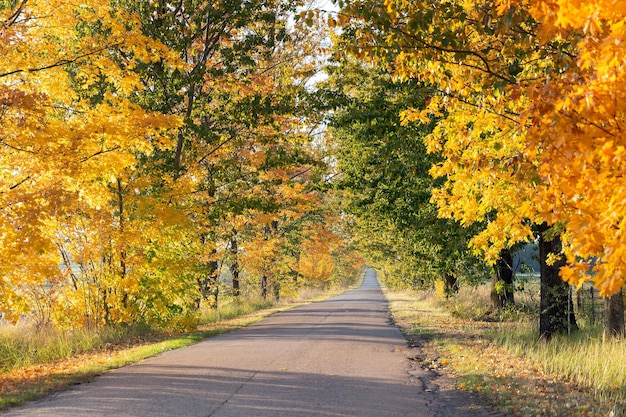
x,y
151,148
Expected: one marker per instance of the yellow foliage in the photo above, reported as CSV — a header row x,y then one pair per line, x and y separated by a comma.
x,y
316,262
62,152
534,128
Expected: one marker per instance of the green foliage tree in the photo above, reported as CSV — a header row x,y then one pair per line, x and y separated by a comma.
x,y
383,175
241,96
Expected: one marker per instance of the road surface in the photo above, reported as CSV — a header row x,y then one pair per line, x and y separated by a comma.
x,y
338,358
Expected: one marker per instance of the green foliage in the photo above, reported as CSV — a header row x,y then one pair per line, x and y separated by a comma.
x,y
384,179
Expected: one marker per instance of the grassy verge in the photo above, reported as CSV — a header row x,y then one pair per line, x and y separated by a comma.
x,y
579,375
34,363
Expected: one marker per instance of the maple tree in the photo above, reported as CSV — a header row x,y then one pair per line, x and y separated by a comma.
x,y
478,63
69,129
532,130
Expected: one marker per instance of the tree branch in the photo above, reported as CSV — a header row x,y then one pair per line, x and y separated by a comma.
x,y
60,62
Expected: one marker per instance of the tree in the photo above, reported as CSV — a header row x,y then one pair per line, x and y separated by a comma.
x,y
482,61
580,132
383,174
69,132
139,139
242,98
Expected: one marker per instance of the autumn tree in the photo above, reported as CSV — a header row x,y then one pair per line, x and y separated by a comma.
x,y
579,129
69,132
243,97
540,82
478,63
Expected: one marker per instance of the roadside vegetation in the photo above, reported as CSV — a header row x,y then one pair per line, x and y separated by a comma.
x,y
577,375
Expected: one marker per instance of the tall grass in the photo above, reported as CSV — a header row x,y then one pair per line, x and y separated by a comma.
x,y
501,354
584,357
25,344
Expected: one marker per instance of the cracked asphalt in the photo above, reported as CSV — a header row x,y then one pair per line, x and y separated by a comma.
x,y
338,358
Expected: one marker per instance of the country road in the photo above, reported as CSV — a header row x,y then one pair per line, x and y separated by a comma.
x,y
337,358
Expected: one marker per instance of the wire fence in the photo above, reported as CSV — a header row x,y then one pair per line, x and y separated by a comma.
x,y
588,305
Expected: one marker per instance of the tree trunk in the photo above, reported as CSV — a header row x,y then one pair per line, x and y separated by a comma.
x,y
264,287
451,284
614,316
120,208
502,281
234,264
122,224
208,285
214,284
269,229
593,305
556,313
277,291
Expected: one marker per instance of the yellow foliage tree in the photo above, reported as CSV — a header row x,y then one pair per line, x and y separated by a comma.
x,y
316,262
69,130
532,132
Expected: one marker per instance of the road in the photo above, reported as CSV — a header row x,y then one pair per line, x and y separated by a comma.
x,y
338,358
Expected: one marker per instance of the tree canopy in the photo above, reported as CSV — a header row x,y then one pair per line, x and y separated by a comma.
x,y
533,118
158,155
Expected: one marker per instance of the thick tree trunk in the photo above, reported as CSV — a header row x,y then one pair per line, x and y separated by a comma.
x,y
502,281
556,313
614,316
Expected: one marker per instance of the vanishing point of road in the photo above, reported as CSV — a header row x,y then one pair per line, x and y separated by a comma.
x,y
337,358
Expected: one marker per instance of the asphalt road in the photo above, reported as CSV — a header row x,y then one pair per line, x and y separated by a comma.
x,y
338,358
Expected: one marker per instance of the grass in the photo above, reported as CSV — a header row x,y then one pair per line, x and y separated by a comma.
x,y
577,375
232,309
36,362
64,360
26,345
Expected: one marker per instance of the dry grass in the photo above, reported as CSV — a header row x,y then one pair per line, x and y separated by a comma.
x,y
579,375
